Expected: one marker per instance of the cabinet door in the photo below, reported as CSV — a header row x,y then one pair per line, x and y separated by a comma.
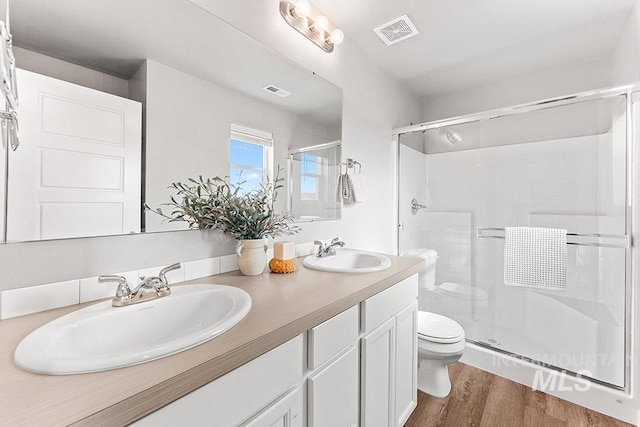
x,y
285,412
333,393
378,376
406,363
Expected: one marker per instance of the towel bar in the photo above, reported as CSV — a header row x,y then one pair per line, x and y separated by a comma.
x,y
581,239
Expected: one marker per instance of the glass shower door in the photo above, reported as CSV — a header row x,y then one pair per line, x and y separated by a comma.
x,y
561,167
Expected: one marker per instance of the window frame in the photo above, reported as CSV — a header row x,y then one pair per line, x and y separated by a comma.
x,y
317,176
257,137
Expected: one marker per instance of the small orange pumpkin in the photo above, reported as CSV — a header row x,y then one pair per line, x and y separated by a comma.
x,y
282,265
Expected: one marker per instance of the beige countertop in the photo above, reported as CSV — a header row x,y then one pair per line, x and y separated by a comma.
x,y
283,306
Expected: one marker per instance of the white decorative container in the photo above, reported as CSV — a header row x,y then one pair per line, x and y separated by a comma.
x,y
252,256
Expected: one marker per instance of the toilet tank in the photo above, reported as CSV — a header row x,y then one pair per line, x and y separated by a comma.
x,y
426,276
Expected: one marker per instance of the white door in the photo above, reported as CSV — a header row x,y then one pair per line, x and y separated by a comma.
x,y
77,170
406,363
333,393
378,376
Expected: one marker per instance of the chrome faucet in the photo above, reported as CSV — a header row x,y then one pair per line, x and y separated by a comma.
x,y
329,248
150,287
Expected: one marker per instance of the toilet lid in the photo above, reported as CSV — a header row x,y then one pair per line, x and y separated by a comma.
x,y
462,291
423,253
437,328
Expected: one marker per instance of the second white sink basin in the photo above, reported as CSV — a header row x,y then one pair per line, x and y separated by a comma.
x,y
349,261
101,337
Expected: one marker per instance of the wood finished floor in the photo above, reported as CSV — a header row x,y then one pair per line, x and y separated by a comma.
x,y
481,399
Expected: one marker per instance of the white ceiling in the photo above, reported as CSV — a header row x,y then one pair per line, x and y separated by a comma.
x,y
468,43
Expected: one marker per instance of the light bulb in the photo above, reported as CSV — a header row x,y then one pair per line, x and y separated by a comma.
x,y
303,8
337,36
321,23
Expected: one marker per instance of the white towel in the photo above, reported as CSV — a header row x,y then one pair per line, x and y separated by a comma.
x,y
353,188
359,188
535,257
345,188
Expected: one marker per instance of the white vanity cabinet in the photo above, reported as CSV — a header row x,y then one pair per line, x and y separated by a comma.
x,y
389,355
356,369
332,383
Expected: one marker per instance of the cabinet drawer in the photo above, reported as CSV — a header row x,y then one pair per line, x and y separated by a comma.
x,y
328,338
380,307
236,395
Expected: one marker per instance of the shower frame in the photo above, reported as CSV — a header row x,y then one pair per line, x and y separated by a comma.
x,y
630,225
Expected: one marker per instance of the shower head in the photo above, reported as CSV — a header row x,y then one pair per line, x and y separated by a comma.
x,y
453,137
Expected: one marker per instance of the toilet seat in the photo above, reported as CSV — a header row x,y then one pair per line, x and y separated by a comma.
x,y
439,329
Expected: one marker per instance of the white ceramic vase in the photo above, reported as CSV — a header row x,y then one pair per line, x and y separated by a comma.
x,y
252,256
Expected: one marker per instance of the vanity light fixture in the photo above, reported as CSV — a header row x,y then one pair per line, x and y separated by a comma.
x,y
297,14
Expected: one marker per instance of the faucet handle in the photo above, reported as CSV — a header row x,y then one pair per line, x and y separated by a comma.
x,y
123,288
320,248
337,241
163,273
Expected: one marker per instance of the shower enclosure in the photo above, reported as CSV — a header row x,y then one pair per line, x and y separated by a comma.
x,y
563,163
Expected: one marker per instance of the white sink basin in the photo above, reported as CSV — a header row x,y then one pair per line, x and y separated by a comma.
x,y
101,337
349,261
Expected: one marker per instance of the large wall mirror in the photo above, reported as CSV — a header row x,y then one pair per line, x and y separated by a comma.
x,y
178,87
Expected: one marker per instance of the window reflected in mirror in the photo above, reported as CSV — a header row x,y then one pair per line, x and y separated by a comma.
x,y
251,157
313,183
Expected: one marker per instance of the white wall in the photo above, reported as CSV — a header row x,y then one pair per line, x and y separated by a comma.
x,y
374,103
622,66
72,73
532,87
626,56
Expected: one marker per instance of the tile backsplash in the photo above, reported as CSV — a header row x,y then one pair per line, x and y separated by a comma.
x,y
33,299
17,302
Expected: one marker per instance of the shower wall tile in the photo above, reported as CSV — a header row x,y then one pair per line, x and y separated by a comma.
x,y
565,183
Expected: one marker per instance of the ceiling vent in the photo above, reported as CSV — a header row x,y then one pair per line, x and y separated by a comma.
x,y
276,91
397,30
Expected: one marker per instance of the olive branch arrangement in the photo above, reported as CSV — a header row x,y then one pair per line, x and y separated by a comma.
x,y
216,203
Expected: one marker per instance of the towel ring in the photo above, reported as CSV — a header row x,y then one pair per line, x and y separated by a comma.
x,y
351,164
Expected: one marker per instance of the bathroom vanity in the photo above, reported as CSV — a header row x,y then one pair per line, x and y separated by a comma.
x,y
316,348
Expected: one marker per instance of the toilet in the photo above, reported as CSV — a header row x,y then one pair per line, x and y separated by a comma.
x,y
440,343
441,340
